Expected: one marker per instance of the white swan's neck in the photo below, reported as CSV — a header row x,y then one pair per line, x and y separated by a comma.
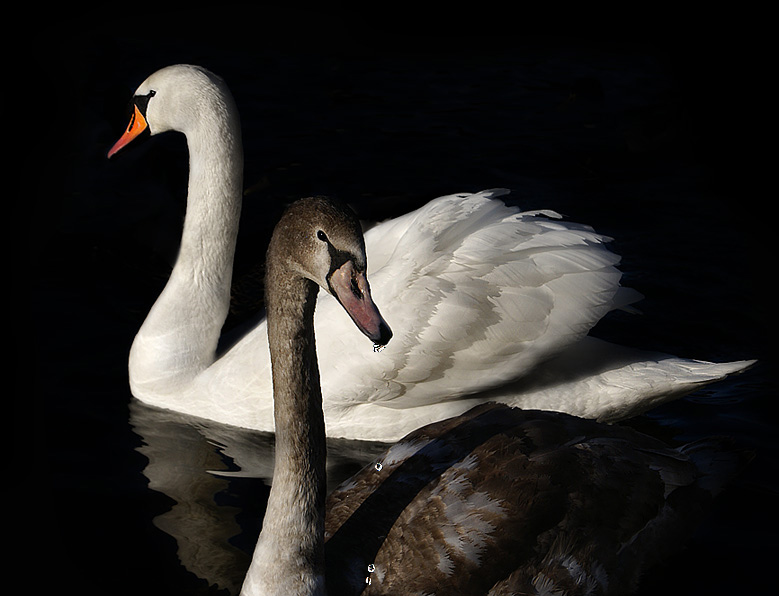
x,y
289,556
178,339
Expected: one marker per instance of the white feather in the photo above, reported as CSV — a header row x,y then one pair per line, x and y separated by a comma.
x,y
477,293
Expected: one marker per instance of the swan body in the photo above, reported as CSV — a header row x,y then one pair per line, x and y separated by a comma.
x,y
498,500
507,501
481,296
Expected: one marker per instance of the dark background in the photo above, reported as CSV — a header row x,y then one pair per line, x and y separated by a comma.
x,y
653,125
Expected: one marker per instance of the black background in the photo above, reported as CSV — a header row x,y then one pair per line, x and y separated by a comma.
x,y
387,107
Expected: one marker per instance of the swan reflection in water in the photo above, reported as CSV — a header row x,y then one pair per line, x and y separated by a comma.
x,y
218,478
198,463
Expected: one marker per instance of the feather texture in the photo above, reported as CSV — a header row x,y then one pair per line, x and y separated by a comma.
x,y
505,501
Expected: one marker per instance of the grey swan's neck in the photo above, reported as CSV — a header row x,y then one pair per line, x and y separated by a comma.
x,y
289,557
179,337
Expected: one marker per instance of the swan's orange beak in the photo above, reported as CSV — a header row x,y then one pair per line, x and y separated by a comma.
x,y
137,125
351,289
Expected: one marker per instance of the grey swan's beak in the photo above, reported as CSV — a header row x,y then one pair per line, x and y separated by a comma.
x,y
350,287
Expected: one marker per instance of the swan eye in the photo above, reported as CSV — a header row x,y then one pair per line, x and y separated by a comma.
x,y
322,236
142,101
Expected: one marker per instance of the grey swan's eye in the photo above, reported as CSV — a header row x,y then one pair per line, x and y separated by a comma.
x,y
322,236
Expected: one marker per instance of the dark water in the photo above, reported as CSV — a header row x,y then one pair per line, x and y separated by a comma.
x,y
646,136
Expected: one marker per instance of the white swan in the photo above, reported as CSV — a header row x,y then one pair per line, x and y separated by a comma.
x,y
479,294
498,501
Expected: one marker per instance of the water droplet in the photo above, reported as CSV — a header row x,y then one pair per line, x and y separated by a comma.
x,y
371,568
378,347
378,466
368,580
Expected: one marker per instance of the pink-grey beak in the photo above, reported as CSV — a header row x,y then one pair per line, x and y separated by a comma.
x,y
351,289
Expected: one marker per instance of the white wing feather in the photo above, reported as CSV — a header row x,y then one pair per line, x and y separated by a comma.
x,y
478,294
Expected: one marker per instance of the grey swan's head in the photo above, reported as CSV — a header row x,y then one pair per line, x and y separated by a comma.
x,y
320,239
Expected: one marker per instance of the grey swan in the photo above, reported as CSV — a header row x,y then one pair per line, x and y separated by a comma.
x,y
480,295
495,501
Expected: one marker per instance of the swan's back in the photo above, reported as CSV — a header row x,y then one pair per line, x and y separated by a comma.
x,y
518,502
477,293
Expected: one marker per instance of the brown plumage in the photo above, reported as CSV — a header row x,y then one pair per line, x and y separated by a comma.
x,y
505,501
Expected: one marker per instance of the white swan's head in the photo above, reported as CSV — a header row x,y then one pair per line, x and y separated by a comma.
x,y
179,97
321,240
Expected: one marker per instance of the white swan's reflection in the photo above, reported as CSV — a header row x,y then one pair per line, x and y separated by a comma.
x,y
196,463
